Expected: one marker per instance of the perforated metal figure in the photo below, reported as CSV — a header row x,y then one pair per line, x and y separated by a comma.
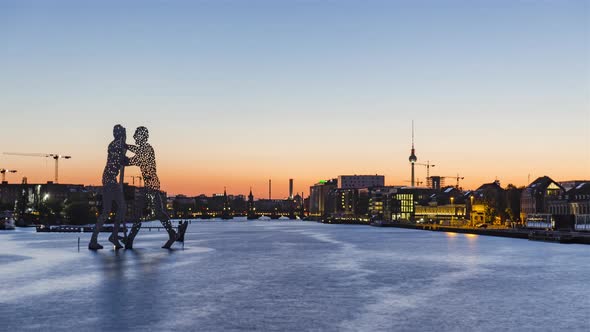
x,y
145,158
112,189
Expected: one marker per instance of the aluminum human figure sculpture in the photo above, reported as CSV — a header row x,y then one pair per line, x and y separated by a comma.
x,y
145,158
112,189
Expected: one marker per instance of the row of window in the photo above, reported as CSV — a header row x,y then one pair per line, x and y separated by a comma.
x,y
573,208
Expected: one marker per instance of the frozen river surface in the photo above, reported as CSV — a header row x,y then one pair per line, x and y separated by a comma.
x,y
295,276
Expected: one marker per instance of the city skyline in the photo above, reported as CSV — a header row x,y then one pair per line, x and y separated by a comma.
x,y
235,94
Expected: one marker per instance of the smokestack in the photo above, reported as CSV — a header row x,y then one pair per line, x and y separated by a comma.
x,y
269,189
290,188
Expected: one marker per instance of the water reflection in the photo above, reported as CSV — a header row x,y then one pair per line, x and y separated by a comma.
x,y
294,276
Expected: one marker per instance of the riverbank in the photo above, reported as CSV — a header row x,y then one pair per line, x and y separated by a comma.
x,y
515,233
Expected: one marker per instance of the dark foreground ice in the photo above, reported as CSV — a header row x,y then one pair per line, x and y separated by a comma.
x,y
295,276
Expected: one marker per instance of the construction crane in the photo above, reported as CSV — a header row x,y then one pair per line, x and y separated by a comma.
x,y
418,182
55,156
427,165
4,171
456,178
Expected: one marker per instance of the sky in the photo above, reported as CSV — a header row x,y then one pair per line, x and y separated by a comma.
x,y
238,92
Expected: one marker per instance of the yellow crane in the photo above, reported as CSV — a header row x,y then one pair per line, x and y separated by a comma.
x,y
55,156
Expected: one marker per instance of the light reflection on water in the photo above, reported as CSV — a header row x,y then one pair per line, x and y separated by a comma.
x,y
293,276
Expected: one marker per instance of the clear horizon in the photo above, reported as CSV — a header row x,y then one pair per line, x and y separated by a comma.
x,y
235,93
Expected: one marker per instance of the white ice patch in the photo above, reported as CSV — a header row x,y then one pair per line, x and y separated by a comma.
x,y
347,258
47,286
380,314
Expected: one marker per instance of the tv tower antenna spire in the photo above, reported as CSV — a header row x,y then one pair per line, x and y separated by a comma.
x,y
413,157
412,134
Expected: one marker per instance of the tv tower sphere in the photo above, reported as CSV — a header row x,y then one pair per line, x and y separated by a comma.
x,y
413,157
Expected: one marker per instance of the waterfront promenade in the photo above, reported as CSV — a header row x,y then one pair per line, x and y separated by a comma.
x,y
295,276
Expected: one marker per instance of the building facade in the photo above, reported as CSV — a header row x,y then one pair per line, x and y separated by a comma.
x,y
536,197
360,181
487,204
447,206
321,202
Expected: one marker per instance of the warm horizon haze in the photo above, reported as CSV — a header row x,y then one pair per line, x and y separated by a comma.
x,y
238,92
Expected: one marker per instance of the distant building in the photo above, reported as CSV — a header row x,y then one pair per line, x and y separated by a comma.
x,y
409,198
182,206
391,203
299,208
239,204
513,197
435,182
9,194
45,203
274,207
320,203
220,205
536,199
360,181
447,205
579,201
137,204
251,207
579,198
349,203
378,201
571,210
226,213
487,204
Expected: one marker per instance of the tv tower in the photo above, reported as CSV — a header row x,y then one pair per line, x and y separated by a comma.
x,y
413,157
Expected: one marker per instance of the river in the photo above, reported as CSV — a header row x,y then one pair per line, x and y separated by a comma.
x,y
293,276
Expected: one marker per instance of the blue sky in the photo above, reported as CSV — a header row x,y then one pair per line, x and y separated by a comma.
x,y
304,89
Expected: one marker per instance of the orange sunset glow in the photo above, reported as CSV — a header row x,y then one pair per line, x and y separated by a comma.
x,y
232,102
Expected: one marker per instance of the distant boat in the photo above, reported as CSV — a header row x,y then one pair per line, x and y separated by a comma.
x,y
6,220
264,218
284,218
